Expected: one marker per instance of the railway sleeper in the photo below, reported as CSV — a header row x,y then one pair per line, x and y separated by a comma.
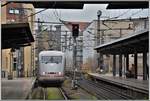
x,y
103,91
132,94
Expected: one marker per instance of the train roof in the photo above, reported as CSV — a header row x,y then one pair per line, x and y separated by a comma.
x,y
51,53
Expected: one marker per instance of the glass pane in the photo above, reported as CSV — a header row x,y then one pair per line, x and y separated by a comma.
x,y
51,59
16,11
11,11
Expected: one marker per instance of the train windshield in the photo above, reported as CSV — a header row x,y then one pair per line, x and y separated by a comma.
x,y
51,59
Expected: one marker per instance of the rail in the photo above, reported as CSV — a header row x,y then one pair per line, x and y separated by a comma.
x,y
63,93
102,91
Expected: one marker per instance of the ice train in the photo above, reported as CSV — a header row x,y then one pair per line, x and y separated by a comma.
x,y
51,67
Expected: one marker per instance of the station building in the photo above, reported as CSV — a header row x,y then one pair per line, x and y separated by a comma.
x,y
18,62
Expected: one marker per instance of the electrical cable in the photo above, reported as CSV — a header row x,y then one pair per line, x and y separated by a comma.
x,y
123,13
41,11
56,14
135,13
36,13
116,17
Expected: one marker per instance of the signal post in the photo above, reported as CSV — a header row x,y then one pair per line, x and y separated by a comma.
x,y
75,33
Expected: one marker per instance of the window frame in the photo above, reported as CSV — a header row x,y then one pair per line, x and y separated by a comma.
x,y
13,11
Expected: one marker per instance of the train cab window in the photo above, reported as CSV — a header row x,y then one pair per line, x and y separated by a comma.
x,y
51,59
57,59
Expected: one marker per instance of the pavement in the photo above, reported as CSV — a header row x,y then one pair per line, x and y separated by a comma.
x,y
18,88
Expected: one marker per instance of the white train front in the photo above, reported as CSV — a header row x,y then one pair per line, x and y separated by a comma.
x,y
51,67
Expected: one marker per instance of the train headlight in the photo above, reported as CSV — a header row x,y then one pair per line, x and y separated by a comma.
x,y
59,73
43,73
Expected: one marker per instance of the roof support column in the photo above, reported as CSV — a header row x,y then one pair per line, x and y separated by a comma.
x,y
135,65
127,62
144,65
114,65
120,65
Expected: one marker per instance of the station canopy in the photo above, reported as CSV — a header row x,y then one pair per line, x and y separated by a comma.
x,y
55,4
78,4
138,42
16,35
128,5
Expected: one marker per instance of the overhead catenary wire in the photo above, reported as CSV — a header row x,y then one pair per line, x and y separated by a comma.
x,y
36,13
123,13
135,13
40,11
120,16
116,17
56,14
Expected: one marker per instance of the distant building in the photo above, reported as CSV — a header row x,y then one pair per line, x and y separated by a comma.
x,y
23,58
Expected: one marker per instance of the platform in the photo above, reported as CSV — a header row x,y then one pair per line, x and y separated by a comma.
x,y
18,88
130,83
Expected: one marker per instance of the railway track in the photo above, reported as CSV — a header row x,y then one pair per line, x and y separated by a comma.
x,y
44,93
103,91
119,91
63,93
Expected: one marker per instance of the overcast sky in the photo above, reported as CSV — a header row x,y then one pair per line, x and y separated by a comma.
x,y
89,13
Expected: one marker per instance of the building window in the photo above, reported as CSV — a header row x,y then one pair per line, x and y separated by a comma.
x,y
21,12
11,11
14,11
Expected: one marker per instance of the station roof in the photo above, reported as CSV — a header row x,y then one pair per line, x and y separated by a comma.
x,y
128,5
78,4
16,35
137,42
55,4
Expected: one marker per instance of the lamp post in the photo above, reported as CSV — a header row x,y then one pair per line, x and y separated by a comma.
x,y
99,13
100,58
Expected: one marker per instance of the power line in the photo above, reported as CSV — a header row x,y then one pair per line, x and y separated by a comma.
x,y
123,13
116,17
136,12
47,22
36,13
56,14
40,11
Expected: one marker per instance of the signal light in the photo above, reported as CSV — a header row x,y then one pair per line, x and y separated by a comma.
x,y
75,30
